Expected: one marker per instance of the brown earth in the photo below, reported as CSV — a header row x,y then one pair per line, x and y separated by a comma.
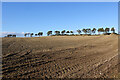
x,y
60,57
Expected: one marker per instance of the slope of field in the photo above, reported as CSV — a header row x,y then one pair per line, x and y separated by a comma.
x,y
61,57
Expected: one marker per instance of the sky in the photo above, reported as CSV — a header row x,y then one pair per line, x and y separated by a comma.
x,y
21,17
60,0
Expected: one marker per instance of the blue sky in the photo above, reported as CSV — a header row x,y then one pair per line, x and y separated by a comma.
x,y
21,17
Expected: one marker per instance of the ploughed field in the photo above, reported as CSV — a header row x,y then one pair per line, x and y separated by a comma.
x,y
60,57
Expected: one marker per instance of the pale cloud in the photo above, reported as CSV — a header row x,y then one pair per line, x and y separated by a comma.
x,y
2,34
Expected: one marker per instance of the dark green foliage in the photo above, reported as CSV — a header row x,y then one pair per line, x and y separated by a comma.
x,y
13,35
10,35
49,33
101,30
68,32
88,31
93,30
113,29
57,32
25,34
63,32
107,30
31,34
79,31
40,33
36,34
84,30
71,32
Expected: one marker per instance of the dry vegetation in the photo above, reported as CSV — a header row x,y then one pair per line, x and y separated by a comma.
x,y
61,57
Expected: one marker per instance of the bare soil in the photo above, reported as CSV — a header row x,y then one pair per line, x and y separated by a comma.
x,y
60,57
